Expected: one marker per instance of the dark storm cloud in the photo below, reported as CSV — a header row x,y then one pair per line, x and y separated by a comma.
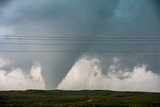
x,y
157,5
74,17
136,19
56,18
156,2
77,18
3,2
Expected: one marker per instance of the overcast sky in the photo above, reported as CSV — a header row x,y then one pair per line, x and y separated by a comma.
x,y
89,20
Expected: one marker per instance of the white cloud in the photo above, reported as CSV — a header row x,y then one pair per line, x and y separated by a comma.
x,y
18,80
87,74
3,62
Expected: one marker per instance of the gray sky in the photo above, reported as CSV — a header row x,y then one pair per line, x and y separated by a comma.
x,y
93,19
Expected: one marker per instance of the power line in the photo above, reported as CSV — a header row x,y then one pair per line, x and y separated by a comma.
x,y
81,44
82,40
73,37
51,51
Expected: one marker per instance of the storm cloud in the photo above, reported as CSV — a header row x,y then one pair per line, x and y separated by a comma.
x,y
17,79
87,74
78,18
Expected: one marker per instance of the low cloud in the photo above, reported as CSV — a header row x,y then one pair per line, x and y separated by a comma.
x,y
17,79
87,74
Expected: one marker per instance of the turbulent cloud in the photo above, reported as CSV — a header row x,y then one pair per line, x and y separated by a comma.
x,y
77,18
87,74
17,79
73,18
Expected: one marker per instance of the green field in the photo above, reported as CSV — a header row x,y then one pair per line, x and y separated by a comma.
x,y
86,98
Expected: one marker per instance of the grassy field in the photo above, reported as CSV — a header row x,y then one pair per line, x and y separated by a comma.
x,y
57,98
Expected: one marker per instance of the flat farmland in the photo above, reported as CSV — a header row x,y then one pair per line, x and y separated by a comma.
x,y
84,98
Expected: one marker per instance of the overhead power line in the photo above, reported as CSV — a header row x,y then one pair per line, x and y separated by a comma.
x,y
123,35
67,38
73,44
64,41
50,51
